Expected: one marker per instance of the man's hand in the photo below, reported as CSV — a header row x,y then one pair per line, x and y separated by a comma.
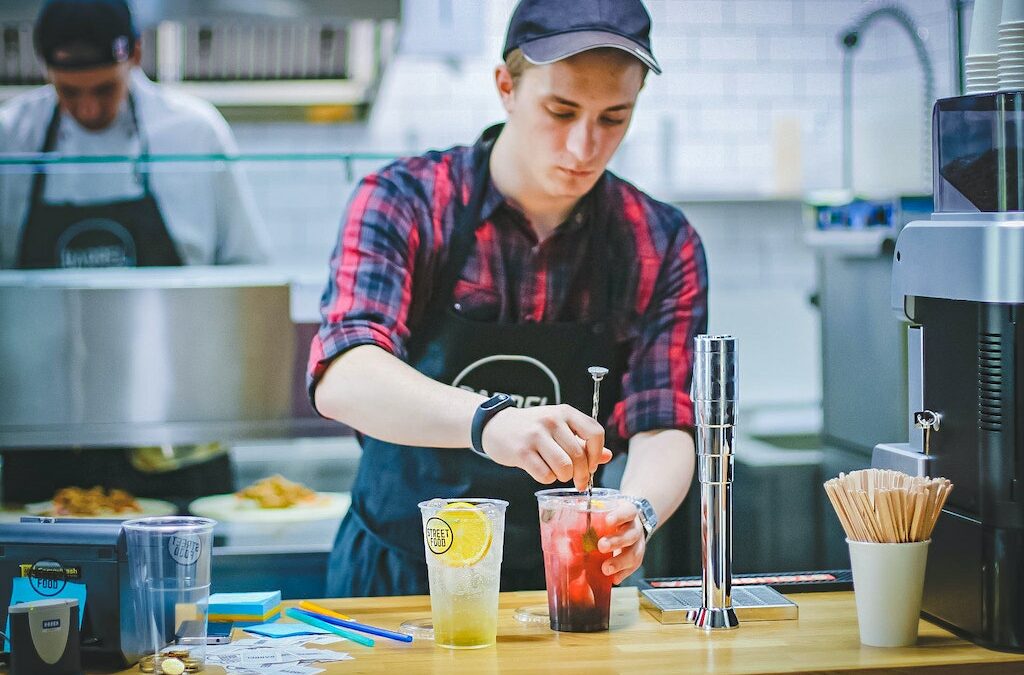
x,y
551,442
627,542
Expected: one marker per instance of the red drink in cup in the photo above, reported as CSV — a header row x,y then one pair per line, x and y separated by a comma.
x,y
579,592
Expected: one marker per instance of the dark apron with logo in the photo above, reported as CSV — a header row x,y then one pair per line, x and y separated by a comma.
x,y
126,233
379,548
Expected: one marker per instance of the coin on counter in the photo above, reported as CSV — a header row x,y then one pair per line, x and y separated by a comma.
x,y
193,665
172,666
146,664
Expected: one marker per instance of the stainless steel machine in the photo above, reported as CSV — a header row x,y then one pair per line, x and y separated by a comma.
x,y
959,279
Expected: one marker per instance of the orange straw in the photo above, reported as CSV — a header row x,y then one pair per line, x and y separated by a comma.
x,y
313,607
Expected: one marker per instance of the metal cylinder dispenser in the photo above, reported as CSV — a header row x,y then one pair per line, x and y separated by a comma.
x,y
714,399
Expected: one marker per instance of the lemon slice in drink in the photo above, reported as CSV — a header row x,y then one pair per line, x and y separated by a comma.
x,y
471,534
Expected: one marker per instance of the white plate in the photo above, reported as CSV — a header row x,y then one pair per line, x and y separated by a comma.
x,y
230,509
150,507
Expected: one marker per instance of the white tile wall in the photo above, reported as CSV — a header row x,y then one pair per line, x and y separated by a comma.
x,y
736,73
729,67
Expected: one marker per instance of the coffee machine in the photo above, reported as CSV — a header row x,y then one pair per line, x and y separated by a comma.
x,y
958,278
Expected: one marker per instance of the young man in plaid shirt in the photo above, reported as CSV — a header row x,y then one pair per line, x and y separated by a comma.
x,y
512,266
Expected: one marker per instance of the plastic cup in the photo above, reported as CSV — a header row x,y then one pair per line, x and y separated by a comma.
x,y
463,541
169,563
888,581
579,592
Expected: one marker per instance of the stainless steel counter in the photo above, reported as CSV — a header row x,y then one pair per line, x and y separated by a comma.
x,y
155,356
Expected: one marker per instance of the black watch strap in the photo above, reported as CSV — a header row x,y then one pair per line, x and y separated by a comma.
x,y
483,415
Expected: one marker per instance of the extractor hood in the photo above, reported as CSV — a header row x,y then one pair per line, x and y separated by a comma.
x,y
239,53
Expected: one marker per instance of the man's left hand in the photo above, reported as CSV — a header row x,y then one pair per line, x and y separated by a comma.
x,y
626,541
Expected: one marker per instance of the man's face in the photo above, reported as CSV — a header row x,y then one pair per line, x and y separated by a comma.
x,y
92,96
570,117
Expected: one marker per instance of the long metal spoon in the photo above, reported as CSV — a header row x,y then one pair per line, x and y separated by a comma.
x,y
590,536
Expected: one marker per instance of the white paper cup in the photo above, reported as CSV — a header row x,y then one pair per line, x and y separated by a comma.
x,y
984,26
1012,11
888,580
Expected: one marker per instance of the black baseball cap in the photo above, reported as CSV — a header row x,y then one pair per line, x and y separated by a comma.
x,y
551,30
79,34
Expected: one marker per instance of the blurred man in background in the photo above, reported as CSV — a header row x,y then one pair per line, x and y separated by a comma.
x,y
100,103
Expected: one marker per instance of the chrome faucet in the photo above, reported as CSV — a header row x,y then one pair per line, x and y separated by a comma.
x,y
714,401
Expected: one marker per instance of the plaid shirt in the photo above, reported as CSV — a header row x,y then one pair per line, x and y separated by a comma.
x,y
394,240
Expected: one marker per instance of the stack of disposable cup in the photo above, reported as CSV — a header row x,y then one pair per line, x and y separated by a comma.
x,y
1011,46
981,67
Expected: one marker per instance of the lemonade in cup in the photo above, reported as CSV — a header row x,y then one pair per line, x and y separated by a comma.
x,y
463,544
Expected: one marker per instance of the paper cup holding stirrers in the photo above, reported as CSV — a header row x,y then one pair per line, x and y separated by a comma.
x,y
888,517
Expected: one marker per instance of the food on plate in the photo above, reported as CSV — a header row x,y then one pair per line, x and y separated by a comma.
x,y
277,492
94,501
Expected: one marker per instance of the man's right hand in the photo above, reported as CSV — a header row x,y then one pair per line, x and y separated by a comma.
x,y
551,442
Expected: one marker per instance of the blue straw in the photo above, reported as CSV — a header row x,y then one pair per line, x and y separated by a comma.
x,y
355,625
299,615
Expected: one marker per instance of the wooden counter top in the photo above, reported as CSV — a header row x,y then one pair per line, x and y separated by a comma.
x,y
824,639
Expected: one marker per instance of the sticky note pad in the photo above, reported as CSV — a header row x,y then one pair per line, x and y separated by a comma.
x,y
245,608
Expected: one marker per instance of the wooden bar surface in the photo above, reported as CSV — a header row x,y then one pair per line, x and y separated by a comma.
x,y
824,639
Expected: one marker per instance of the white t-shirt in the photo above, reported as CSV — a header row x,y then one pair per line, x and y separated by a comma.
x,y
207,206
94,183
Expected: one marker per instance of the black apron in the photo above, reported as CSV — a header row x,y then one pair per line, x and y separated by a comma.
x,y
125,233
379,547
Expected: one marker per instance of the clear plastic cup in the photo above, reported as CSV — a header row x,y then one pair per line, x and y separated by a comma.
x,y
579,592
463,540
169,563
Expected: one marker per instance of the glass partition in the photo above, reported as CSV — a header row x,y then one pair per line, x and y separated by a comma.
x,y
297,199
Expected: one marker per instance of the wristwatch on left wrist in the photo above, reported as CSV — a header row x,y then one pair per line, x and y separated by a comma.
x,y
648,516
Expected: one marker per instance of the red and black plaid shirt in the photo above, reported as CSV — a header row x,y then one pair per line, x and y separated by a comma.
x,y
394,239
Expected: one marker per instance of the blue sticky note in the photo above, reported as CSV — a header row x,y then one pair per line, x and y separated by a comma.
x,y
22,591
280,630
257,604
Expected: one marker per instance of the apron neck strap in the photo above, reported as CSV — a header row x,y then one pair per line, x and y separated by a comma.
x,y
468,217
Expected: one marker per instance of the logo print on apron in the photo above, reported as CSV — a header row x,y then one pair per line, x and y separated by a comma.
x,y
96,242
527,380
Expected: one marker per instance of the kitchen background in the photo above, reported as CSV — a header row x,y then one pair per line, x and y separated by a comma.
x,y
744,130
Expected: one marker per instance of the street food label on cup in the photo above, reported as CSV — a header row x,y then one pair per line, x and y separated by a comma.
x,y
184,549
439,536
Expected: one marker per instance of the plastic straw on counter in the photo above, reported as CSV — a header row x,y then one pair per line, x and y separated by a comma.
x,y
304,617
313,607
344,621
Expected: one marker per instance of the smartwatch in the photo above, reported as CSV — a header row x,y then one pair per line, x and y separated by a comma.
x,y
648,517
483,415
